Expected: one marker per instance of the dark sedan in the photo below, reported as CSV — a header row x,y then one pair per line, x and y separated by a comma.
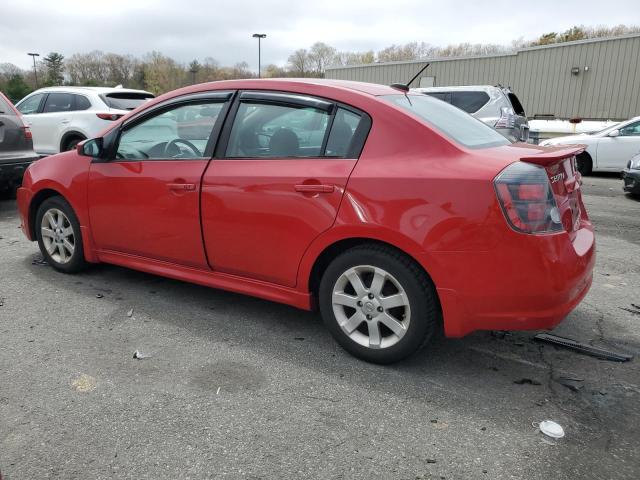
x,y
631,176
16,147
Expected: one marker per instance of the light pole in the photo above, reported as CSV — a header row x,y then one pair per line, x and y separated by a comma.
x,y
35,72
259,36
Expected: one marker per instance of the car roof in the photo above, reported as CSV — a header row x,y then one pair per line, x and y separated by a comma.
x,y
461,88
97,90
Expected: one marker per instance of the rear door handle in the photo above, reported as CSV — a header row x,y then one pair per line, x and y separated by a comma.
x,y
182,187
314,188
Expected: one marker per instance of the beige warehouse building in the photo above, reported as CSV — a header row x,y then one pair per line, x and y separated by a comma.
x,y
591,79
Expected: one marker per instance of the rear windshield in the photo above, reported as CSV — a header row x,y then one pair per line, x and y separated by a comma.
x,y
451,121
125,101
470,102
5,108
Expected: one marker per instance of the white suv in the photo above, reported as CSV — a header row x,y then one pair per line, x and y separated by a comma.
x,y
60,117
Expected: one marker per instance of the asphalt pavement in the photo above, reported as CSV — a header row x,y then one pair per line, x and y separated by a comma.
x,y
236,387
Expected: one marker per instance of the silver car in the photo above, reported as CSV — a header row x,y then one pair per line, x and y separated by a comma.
x,y
498,107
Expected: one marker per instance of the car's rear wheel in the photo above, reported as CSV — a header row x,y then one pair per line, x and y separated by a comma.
x,y
584,163
59,237
72,143
378,304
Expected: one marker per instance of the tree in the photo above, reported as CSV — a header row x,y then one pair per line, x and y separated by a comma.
x,y
273,71
194,68
321,56
16,88
299,63
54,63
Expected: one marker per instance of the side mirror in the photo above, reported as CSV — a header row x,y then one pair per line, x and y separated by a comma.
x,y
614,133
90,148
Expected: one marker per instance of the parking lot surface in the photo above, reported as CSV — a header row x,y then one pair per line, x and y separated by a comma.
x,y
238,387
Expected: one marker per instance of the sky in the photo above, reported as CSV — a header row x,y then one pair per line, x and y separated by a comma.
x,y
195,29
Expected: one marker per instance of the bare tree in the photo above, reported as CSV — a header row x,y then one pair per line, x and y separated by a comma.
x,y
320,57
299,62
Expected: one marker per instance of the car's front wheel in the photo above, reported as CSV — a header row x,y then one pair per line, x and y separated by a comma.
x,y
378,304
59,237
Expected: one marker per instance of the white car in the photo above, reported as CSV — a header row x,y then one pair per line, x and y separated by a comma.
x,y
60,117
608,150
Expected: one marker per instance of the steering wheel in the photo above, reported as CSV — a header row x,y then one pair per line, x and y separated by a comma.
x,y
174,144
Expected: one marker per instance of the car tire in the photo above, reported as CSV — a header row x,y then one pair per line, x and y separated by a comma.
x,y
384,315
584,163
59,237
72,143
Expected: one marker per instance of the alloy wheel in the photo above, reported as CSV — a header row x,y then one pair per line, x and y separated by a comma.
x,y
58,236
371,306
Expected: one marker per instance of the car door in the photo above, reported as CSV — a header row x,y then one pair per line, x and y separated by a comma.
x,y
56,115
276,182
30,108
613,153
144,198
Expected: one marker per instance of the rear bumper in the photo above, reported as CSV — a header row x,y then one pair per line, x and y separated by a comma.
x,y
631,180
12,170
533,284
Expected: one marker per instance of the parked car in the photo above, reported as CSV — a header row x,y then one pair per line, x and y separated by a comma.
x,y
608,150
16,147
60,117
496,106
397,214
631,176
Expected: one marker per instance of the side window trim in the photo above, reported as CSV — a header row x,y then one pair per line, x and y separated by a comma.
x,y
288,99
357,143
113,137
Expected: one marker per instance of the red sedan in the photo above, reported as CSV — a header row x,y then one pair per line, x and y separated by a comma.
x,y
394,213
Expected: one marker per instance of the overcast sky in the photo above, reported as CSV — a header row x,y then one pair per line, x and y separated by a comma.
x,y
188,29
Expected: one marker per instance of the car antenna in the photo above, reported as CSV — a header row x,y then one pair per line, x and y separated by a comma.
x,y
405,86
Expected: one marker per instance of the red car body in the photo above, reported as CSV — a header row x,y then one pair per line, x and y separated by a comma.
x,y
267,228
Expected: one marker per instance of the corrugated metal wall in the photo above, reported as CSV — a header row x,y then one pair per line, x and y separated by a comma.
x,y
540,76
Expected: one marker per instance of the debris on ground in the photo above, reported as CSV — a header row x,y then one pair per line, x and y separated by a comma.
x,y
582,348
84,383
551,429
130,313
528,381
635,309
430,460
138,355
99,295
39,261
500,333
571,383
1,302
298,338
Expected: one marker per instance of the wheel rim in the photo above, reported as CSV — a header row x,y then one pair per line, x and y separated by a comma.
x,y
371,307
57,235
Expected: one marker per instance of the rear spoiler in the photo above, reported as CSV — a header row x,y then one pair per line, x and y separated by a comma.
x,y
554,155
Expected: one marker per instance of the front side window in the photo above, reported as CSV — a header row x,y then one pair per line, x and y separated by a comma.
x,y
459,126
179,133
262,130
31,104
58,102
631,130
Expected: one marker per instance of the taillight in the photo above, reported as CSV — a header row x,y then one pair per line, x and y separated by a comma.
x,y
526,199
108,116
507,118
27,132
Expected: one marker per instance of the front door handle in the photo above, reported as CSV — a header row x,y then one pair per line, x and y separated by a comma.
x,y
182,187
314,188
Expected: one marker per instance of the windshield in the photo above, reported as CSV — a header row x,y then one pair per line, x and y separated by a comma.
x,y
126,101
453,122
610,127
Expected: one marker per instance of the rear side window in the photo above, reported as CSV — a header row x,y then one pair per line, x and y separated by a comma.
x,y
125,100
5,108
343,131
58,102
31,104
262,130
444,96
452,122
515,103
81,102
470,102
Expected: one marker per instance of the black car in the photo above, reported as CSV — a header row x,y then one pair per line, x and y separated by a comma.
x,y
631,176
16,147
